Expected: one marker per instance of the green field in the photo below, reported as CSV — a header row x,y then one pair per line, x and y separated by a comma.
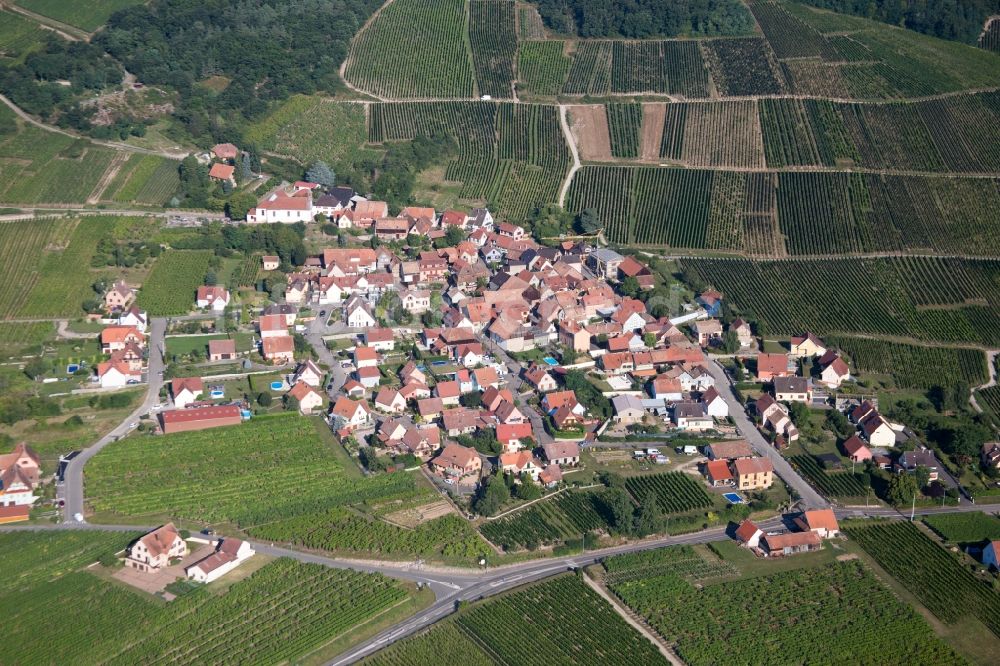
x,y
779,618
171,285
19,36
933,575
911,366
602,67
926,298
493,39
432,34
965,527
145,179
260,619
549,623
542,67
87,15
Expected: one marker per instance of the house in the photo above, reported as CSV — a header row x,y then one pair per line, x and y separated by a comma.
x,y
911,460
213,298
538,377
513,436
749,534
416,301
347,413
410,373
116,338
628,409
389,400
691,416
368,376
358,314
186,390
229,554
309,373
605,262
821,521
225,151
484,378
770,366
421,441
877,432
271,262
380,339
365,357
834,371
562,453
116,374
855,449
743,332
551,476
20,472
790,543
707,331
118,297
353,389
522,462
753,473
990,455
449,392
632,267
279,350
807,345
714,405
222,173
272,326
792,389
460,421
199,418
289,312
507,412
278,206
469,354
152,552
221,350
574,336
457,462
718,474
668,388
135,318
309,398
430,408
711,300
862,412
729,450
391,228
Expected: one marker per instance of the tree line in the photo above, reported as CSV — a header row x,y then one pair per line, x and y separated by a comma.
x,y
958,20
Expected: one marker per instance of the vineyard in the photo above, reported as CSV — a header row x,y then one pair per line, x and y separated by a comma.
x,y
145,179
933,575
171,285
266,470
835,484
63,281
261,619
87,15
568,516
912,366
37,557
707,134
564,613
542,67
513,155
248,271
861,296
602,67
990,39
682,561
965,527
744,67
624,125
444,643
530,23
990,397
676,492
431,33
784,617
16,336
493,37
18,37
342,531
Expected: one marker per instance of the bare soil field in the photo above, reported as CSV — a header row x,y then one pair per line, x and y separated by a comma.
x,y
653,115
589,124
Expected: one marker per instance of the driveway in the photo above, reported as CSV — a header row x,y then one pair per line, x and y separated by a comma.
x,y
810,498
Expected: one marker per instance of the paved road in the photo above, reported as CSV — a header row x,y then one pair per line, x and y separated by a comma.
x,y
314,335
810,498
514,383
72,487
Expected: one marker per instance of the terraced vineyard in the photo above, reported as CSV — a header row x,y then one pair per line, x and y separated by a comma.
x,y
867,296
513,155
912,366
800,609
713,134
432,34
494,44
203,476
171,285
743,67
831,484
933,575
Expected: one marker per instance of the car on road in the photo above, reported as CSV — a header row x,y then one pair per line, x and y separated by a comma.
x,y
133,426
78,517
322,313
208,532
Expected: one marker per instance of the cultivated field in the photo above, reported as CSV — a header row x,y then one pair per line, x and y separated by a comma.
x,y
568,516
433,36
87,15
590,127
145,179
18,37
542,67
912,366
260,619
493,38
171,285
965,527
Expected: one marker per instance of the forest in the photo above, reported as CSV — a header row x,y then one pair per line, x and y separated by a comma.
x,y
959,20
639,19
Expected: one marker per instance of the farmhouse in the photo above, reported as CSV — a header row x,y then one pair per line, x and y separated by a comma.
x,y
779,545
229,554
154,551
199,418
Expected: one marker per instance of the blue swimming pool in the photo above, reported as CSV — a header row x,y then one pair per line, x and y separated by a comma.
x,y
71,368
439,363
733,498
276,386
215,395
550,360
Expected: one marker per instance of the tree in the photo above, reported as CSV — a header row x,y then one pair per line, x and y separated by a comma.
x,y
630,287
589,221
649,339
264,399
620,509
492,495
239,205
730,342
528,490
36,368
471,400
320,172
211,279
799,413
649,518
902,489
243,171
454,235
922,476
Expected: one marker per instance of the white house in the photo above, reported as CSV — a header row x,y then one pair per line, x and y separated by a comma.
x,y
358,313
155,550
715,406
213,298
878,432
309,398
279,206
229,554
309,373
186,390
115,374
628,409
691,416
350,413
135,318
416,301
389,400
